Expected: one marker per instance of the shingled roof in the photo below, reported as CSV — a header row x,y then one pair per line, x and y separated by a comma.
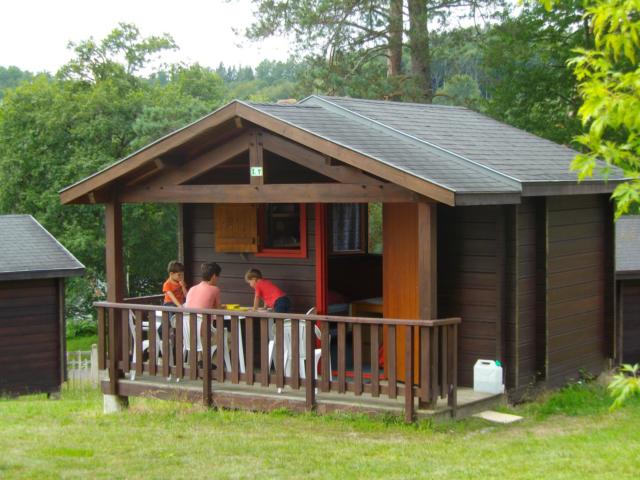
x,y
474,158
628,246
28,251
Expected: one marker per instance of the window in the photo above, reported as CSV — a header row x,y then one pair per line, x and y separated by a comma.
x,y
348,228
355,228
282,230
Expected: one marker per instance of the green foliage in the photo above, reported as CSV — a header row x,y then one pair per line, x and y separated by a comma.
x,y
120,52
625,385
56,131
460,90
11,77
81,327
528,84
609,76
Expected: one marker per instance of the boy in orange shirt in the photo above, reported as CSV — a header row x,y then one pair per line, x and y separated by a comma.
x,y
174,289
266,291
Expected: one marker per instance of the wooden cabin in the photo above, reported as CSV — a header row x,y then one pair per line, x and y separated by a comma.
x,y
32,321
628,286
480,221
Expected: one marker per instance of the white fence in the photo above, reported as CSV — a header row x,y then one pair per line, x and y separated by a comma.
x,y
82,366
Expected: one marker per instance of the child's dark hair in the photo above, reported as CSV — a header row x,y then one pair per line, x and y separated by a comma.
x,y
209,270
175,267
253,274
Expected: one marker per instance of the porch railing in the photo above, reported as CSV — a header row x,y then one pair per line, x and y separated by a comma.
x,y
433,368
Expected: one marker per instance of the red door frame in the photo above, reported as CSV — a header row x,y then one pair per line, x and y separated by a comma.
x,y
321,257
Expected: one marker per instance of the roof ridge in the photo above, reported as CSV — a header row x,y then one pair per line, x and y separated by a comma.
x,y
373,100
504,176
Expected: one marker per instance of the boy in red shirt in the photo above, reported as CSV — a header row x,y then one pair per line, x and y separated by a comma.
x,y
266,291
174,289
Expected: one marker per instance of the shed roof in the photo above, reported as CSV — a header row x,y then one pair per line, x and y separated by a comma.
x,y
476,159
628,246
28,251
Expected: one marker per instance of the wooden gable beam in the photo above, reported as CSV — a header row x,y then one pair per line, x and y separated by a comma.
x,y
205,162
272,193
314,161
346,155
157,149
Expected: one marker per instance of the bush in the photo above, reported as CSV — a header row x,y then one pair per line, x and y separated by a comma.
x,y
81,327
625,385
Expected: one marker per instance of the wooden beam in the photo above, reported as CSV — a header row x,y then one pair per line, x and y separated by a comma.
x,y
191,169
277,193
314,161
427,261
256,158
113,243
351,157
148,154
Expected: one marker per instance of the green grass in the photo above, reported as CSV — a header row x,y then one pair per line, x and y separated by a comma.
x,y
568,435
81,343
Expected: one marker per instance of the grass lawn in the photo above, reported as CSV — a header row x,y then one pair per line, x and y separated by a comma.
x,y
568,435
81,343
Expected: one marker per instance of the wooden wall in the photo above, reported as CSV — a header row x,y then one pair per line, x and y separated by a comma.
x,y
296,276
30,336
523,322
630,309
471,272
579,277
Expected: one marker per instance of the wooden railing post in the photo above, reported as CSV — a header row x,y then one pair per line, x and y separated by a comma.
x,y
206,361
113,352
453,387
310,381
102,339
408,375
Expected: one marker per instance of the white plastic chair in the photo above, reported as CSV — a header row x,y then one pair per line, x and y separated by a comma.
x,y
186,343
145,343
302,325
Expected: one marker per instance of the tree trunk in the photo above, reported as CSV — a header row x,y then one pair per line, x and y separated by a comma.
x,y
420,52
394,62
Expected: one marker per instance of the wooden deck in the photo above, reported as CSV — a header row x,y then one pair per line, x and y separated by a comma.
x,y
258,398
250,366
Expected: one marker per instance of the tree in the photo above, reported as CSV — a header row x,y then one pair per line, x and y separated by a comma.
x,y
120,52
56,131
609,76
352,35
528,83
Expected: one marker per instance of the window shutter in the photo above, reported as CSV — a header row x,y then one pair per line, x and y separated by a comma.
x,y
236,227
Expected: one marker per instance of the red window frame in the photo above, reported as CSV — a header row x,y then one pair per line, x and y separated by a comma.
x,y
300,252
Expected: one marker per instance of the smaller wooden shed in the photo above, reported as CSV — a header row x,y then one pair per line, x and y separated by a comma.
x,y
628,286
33,266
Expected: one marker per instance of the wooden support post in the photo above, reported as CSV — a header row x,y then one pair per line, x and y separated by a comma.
x,y
115,291
256,160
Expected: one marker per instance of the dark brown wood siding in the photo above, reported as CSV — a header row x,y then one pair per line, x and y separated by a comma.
x,y
471,241
630,308
30,336
577,283
528,230
296,276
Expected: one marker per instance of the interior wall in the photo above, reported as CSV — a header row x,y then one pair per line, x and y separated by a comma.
x,y
295,276
356,276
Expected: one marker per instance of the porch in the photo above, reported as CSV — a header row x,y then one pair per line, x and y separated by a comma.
x,y
357,381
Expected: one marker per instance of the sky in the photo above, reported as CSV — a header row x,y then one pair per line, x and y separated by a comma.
x,y
34,33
